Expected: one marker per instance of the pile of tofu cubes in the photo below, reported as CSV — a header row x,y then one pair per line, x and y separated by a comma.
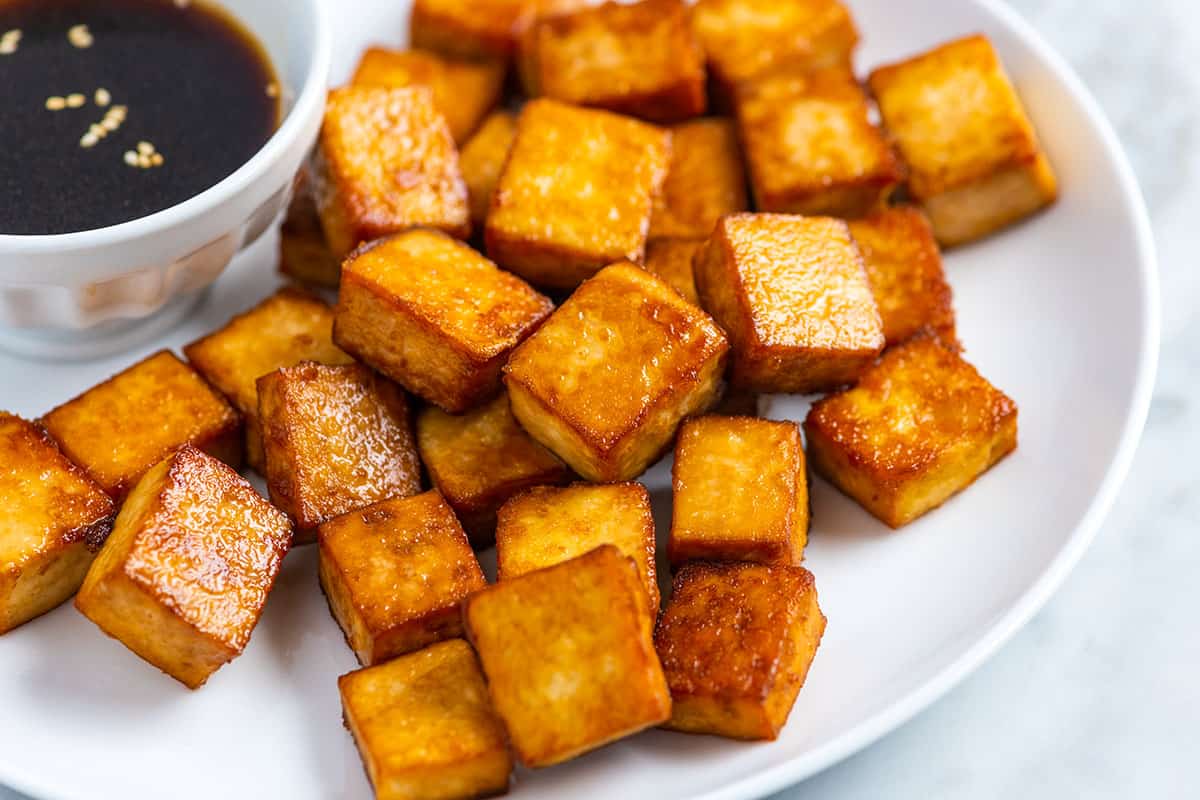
x,y
539,225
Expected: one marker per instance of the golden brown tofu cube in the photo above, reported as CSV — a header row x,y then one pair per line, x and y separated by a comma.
x,y
336,439
471,29
185,573
122,427
607,379
549,525
811,146
638,59
748,38
50,512
904,267
973,157
793,296
736,642
479,459
395,573
482,158
575,194
740,489
568,656
288,327
704,182
304,255
425,727
464,91
671,260
920,426
434,315
386,162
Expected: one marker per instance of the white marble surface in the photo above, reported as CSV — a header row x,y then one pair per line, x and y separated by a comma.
x,y
1099,696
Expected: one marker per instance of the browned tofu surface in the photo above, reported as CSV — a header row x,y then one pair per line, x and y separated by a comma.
x,y
50,511
576,193
549,525
185,573
336,439
482,158
904,267
464,91
638,59
120,428
792,294
973,156
386,162
811,147
479,459
736,642
304,255
434,315
748,38
471,29
671,260
288,327
395,573
568,656
606,380
920,426
740,490
425,727
705,180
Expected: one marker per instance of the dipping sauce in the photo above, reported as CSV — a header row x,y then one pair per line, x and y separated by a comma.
x,y
114,109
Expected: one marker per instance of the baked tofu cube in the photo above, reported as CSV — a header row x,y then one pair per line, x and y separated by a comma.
x,y
304,255
638,59
120,428
748,38
671,260
336,439
607,380
973,157
471,29
704,182
549,525
793,296
184,575
736,642
50,512
482,158
920,426
479,459
464,91
425,727
434,315
568,656
288,327
386,162
395,573
811,146
740,491
904,267
575,194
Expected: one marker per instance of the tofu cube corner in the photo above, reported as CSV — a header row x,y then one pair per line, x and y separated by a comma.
x,y
920,426
151,587
705,181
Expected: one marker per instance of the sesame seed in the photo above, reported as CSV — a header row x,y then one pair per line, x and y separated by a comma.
x,y
131,158
144,161
182,3
9,41
145,148
89,140
272,89
79,36
102,97
55,103
157,159
75,100
97,130
109,124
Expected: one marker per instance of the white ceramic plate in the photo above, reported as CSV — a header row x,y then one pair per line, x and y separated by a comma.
x,y
1060,312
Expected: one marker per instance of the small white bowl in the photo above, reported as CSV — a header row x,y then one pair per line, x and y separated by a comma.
x,y
76,295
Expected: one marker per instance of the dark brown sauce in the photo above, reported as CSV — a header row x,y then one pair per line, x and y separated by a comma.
x,y
195,85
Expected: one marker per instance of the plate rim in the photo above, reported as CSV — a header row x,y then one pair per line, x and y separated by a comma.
x,y
903,708
1036,595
